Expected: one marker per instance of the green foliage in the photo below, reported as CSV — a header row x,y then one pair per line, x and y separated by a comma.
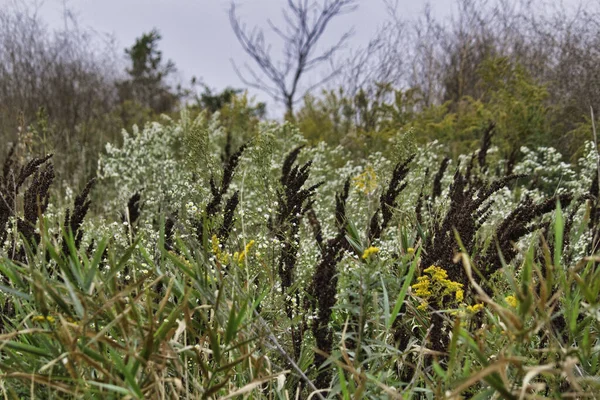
x,y
196,139
174,299
507,95
215,102
337,255
328,118
229,98
361,122
518,105
458,129
147,84
146,59
97,335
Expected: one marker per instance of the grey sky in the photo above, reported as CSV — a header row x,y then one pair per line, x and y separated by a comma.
x,y
197,35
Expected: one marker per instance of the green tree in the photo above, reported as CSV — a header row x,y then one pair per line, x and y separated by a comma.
x,y
213,102
519,105
148,73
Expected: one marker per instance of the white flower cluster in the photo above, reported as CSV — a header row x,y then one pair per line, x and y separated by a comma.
x,y
155,161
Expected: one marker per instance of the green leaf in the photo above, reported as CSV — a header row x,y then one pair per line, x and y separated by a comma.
x,y
8,269
110,387
15,292
353,237
386,302
73,262
186,270
439,370
27,348
168,323
126,256
129,377
233,328
94,266
404,290
74,298
559,226
343,384
65,308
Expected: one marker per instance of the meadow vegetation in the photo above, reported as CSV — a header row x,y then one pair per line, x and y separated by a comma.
x,y
377,243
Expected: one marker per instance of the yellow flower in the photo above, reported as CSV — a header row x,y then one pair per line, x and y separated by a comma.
x,y
475,308
437,273
422,287
367,181
410,250
242,256
222,257
215,244
511,301
214,240
435,282
41,318
370,251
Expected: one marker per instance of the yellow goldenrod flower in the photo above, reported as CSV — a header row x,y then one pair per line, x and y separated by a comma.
x,y
435,282
242,256
475,308
367,181
41,318
370,251
222,257
511,301
436,273
422,287
215,244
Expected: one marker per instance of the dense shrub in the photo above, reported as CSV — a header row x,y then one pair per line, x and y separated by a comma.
x,y
277,267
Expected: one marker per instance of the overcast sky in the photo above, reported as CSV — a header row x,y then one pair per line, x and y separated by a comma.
x,y
197,35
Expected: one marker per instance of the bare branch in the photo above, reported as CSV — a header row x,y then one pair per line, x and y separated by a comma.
x,y
256,83
305,24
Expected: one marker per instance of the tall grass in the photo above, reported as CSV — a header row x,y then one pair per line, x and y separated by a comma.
x,y
273,276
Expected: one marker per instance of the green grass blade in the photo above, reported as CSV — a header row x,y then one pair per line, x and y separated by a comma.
x,y
404,290
386,302
343,384
94,265
27,348
129,377
15,292
75,299
559,226
112,388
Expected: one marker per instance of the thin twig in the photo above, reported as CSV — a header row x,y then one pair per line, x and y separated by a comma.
x,y
285,355
596,144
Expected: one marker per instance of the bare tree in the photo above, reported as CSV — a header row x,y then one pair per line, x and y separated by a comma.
x,y
380,61
59,83
305,24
